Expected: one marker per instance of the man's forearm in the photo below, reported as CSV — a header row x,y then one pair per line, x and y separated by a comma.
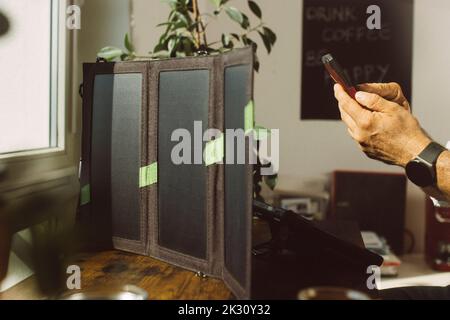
x,y
443,174
441,192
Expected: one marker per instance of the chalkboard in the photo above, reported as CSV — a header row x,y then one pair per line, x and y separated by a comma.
x,y
340,27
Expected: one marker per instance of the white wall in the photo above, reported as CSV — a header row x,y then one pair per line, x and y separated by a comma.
x,y
312,149
103,23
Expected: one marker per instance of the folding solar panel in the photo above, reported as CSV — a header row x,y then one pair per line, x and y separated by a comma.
x,y
195,215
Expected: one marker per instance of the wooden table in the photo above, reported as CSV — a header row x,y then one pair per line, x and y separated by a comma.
x,y
161,280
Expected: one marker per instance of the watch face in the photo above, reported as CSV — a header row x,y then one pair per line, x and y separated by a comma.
x,y
419,174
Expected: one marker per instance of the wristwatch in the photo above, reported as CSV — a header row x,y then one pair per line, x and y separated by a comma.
x,y
422,170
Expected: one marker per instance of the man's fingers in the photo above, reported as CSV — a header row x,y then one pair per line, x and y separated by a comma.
x,y
349,122
390,91
374,102
349,105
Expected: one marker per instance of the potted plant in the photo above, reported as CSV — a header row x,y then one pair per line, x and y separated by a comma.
x,y
185,34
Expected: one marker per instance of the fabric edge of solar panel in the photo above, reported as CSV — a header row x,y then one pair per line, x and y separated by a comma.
x,y
235,58
85,214
206,266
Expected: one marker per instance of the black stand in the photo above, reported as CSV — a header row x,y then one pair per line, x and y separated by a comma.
x,y
303,254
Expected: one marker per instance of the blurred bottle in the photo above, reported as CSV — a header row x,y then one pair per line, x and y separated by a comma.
x,y
438,237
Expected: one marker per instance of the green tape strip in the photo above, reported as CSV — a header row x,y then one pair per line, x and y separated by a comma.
x,y
249,117
148,175
214,151
85,195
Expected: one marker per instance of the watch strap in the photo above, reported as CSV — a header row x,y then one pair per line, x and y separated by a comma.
x,y
431,153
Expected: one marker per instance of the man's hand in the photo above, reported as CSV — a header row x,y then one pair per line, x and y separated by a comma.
x,y
381,122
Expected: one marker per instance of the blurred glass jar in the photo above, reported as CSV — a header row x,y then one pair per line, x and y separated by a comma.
x,y
331,293
127,292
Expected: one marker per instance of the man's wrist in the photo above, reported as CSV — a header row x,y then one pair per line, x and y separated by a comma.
x,y
414,147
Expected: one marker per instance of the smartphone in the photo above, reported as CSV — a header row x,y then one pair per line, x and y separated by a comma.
x,y
338,75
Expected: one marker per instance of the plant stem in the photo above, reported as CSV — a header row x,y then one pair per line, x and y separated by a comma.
x,y
197,23
200,28
205,41
254,28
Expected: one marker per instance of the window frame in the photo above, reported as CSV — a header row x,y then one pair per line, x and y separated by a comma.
x,y
25,165
56,110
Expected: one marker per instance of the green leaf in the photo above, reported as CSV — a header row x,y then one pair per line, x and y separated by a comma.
x,y
181,32
226,41
182,21
110,53
173,45
188,46
164,24
266,41
254,7
245,40
163,38
128,45
193,26
161,54
246,22
250,42
256,63
159,47
235,14
235,36
125,57
271,35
